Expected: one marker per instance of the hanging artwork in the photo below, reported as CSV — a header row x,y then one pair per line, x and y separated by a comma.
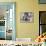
x,y
7,20
26,17
42,1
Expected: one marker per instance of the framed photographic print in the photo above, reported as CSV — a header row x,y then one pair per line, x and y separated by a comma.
x,y
42,1
26,17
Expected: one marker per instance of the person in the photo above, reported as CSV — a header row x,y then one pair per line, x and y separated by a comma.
x,y
44,35
44,42
39,38
25,17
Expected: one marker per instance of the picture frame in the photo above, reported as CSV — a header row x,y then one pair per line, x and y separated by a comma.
x,y
42,1
26,17
7,28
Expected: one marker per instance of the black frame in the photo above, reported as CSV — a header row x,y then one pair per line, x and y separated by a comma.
x,y
39,24
39,21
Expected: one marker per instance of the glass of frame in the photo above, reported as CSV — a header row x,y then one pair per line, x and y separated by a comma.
x,y
42,1
7,20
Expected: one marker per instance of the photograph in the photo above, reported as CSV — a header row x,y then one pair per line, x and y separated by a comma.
x,y
26,17
42,1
